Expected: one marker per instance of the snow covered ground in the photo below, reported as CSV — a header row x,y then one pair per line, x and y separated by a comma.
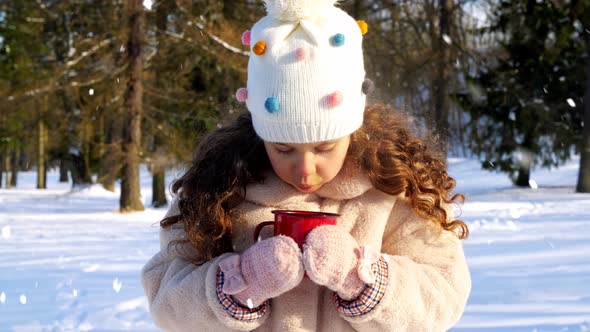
x,y
70,262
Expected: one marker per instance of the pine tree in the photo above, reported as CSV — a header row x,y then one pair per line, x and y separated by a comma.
x,y
524,106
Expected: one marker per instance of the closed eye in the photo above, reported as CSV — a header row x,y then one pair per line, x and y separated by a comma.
x,y
284,151
325,148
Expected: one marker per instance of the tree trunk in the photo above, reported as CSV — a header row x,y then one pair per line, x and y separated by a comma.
x,y
356,9
63,171
130,199
1,169
41,156
78,169
524,176
6,166
584,174
111,159
525,163
157,168
159,188
15,167
440,93
86,151
101,147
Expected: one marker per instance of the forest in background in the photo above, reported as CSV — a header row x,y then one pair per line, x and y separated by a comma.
x,y
96,88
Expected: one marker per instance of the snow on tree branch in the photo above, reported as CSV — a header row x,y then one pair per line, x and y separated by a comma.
x,y
201,27
85,54
221,41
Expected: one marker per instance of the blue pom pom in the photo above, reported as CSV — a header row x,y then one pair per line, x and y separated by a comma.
x,y
338,39
271,104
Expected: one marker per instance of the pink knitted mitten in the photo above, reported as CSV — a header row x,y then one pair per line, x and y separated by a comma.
x,y
333,258
267,269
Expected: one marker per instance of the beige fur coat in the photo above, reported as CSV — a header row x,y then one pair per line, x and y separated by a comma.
x,y
427,290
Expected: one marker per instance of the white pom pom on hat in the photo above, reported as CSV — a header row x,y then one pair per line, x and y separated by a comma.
x,y
294,10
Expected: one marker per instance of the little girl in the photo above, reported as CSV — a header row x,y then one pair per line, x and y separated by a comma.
x,y
394,260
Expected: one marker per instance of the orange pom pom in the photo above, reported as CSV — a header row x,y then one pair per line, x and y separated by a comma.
x,y
259,48
363,26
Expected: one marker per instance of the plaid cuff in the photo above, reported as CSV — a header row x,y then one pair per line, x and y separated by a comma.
x,y
236,310
370,297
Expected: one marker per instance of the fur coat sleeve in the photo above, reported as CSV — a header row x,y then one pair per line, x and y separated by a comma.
x,y
429,281
181,295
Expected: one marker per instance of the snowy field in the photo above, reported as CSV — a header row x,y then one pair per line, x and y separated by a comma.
x,y
70,262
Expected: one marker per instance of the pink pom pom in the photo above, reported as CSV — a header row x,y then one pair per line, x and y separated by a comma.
x,y
335,98
246,37
302,53
242,95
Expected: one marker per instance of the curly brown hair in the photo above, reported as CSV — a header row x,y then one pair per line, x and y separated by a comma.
x,y
230,158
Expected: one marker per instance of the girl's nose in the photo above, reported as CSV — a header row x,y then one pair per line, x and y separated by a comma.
x,y
307,164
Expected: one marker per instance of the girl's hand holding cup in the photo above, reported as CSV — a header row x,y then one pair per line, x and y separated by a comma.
x,y
333,258
266,270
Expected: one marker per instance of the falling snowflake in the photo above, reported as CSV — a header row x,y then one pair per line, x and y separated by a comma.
x,y
148,4
6,232
533,184
117,285
75,292
249,303
23,299
447,39
571,102
2,297
512,116
91,92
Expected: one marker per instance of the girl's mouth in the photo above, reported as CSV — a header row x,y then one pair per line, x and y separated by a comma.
x,y
306,188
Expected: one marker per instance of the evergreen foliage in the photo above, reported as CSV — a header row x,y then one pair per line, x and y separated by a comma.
x,y
525,101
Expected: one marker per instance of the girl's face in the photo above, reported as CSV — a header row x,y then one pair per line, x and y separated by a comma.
x,y
308,166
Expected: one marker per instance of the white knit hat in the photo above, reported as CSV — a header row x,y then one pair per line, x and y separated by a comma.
x,y
305,72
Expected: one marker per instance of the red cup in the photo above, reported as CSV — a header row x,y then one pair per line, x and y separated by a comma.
x,y
296,224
